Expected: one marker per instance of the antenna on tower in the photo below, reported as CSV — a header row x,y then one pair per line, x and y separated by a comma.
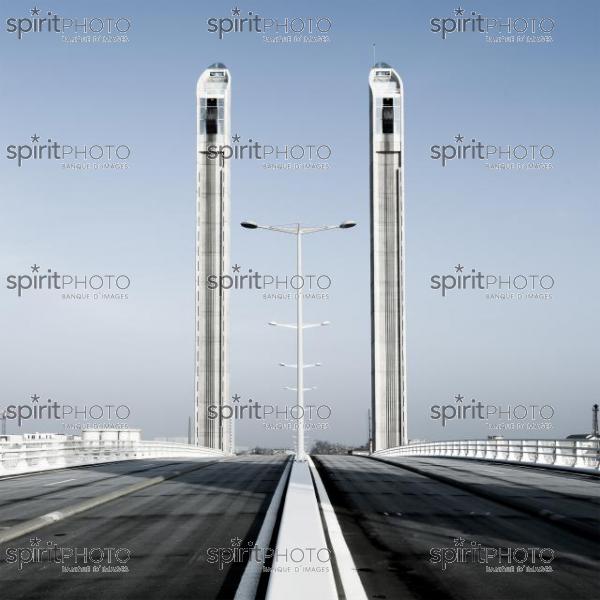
x,y
369,432
374,61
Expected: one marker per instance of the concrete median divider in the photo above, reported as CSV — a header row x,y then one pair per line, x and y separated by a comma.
x,y
301,565
311,557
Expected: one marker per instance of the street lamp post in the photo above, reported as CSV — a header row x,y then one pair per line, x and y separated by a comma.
x,y
297,230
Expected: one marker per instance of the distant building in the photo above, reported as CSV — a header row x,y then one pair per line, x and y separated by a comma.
x,y
174,440
595,435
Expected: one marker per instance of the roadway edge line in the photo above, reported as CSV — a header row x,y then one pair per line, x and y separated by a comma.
x,y
562,521
36,523
352,585
250,579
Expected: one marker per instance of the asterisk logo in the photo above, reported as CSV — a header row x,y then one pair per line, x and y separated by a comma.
x,y
459,268
459,398
236,542
235,138
35,11
460,541
35,268
35,138
458,11
35,398
236,398
236,268
35,541
235,12
458,138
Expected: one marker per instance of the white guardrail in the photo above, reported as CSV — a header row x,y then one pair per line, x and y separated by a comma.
x,y
43,455
575,454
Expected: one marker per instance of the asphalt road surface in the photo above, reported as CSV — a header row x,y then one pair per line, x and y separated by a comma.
x,y
173,540
24,497
415,538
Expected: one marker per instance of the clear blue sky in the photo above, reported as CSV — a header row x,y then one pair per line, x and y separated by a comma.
x,y
141,221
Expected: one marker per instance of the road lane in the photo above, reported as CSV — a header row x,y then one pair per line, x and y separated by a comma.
x,y
571,498
398,524
25,498
573,494
171,531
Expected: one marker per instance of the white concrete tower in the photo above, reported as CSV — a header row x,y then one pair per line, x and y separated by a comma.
x,y
388,362
212,258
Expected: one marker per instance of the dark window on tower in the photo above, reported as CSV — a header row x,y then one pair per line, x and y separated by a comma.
x,y
212,116
387,116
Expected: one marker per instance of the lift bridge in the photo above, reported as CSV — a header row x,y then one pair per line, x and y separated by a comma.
x,y
108,514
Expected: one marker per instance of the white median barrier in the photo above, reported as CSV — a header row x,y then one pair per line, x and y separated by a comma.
x,y
302,565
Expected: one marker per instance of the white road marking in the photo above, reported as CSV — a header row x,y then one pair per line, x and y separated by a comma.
x,y
57,482
250,579
350,580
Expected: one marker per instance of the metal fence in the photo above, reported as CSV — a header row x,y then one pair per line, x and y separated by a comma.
x,y
42,455
576,454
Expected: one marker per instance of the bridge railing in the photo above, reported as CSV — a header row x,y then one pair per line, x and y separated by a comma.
x,y
42,455
576,454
